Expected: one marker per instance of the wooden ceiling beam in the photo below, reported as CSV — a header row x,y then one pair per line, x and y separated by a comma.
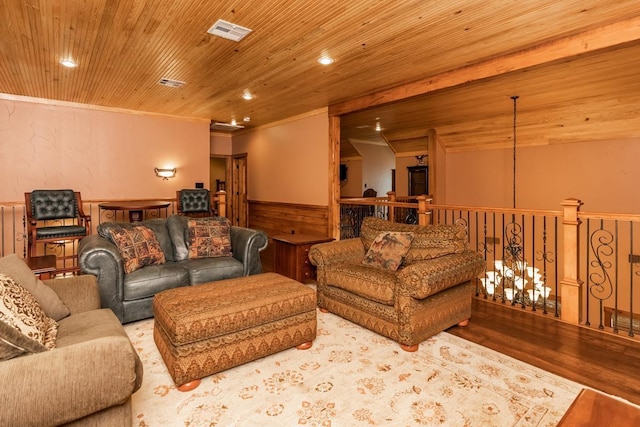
x,y
589,41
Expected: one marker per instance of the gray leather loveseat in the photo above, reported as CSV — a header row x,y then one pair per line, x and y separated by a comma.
x,y
130,295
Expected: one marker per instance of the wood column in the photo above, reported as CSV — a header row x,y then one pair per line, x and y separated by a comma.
x,y
334,176
571,285
222,203
423,211
391,196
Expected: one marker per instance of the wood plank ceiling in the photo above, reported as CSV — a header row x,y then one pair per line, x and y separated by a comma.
x,y
123,48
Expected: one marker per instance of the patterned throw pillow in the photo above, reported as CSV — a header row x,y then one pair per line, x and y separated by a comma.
x,y
388,249
16,268
138,247
209,237
24,327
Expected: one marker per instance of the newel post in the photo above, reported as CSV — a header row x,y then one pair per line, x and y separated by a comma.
x,y
570,291
423,210
222,203
391,197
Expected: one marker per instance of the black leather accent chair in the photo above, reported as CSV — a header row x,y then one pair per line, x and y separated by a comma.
x,y
55,216
194,202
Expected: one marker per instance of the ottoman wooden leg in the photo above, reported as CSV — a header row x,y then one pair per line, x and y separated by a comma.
x,y
189,386
323,310
410,348
464,323
305,345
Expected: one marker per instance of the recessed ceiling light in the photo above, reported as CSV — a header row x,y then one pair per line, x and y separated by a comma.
x,y
325,60
69,63
247,95
246,119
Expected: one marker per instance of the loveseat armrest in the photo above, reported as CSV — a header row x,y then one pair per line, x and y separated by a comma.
x,y
429,277
246,244
68,383
79,293
100,257
336,252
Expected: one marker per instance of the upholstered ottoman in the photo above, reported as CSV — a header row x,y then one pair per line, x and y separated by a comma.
x,y
204,329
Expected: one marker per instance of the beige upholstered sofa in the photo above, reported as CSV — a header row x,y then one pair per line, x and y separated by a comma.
x,y
430,291
86,379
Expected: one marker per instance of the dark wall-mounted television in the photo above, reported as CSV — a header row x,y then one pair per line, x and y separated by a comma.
x,y
343,172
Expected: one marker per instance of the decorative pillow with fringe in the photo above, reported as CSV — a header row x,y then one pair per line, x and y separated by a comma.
x,y
16,268
388,250
24,326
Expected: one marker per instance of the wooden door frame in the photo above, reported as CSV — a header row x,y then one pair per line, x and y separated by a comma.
x,y
238,196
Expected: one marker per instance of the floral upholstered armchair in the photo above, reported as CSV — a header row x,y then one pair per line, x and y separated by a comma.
x,y
406,282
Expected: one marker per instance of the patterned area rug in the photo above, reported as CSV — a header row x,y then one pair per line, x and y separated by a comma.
x,y
354,377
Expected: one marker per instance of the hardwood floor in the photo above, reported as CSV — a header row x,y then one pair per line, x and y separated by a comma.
x,y
602,361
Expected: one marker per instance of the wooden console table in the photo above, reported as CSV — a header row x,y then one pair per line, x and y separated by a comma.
x,y
593,409
135,208
292,255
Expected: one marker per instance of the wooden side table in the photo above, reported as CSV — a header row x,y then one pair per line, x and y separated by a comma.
x,y
593,409
137,209
292,255
43,266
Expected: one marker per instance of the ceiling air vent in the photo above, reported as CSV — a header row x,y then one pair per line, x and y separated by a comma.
x,y
171,83
229,31
225,126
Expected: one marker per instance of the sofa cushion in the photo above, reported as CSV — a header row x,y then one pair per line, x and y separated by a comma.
x,y
138,247
24,326
148,281
429,241
88,325
388,250
158,225
15,267
209,237
177,227
101,358
424,279
205,270
371,283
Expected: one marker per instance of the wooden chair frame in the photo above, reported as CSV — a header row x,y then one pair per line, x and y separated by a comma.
x,y
81,219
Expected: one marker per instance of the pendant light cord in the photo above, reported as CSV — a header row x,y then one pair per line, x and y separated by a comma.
x,y
515,98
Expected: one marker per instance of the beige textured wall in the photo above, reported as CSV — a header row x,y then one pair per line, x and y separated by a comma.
x,y
221,144
604,175
111,155
218,170
378,161
352,187
288,161
107,155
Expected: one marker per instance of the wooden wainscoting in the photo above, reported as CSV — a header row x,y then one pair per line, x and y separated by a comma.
x,y
277,218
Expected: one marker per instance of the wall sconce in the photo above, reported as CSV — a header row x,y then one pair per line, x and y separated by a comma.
x,y
165,173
